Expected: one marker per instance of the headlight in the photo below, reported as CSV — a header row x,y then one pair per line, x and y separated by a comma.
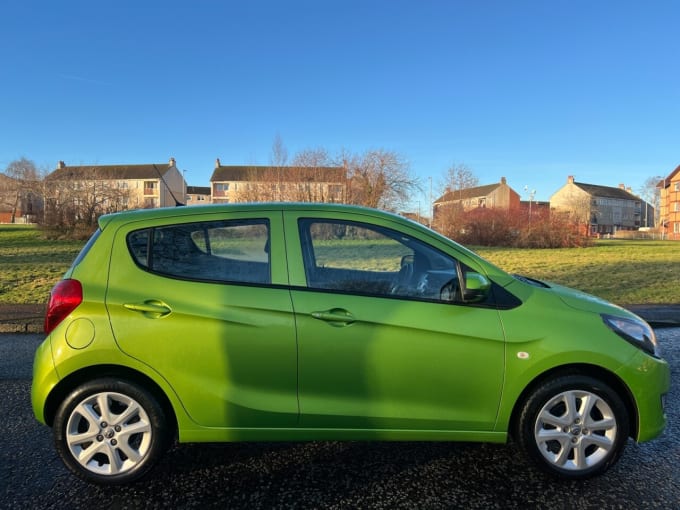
x,y
636,332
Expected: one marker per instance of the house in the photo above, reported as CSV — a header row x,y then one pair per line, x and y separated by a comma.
x,y
535,208
110,188
278,184
198,195
669,210
493,196
602,209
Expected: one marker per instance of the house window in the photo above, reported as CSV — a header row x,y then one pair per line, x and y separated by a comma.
x,y
676,228
221,188
676,187
150,187
676,206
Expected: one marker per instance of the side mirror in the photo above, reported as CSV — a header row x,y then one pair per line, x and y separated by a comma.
x,y
476,288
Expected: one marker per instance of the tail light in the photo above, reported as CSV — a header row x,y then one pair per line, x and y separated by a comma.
x,y
64,298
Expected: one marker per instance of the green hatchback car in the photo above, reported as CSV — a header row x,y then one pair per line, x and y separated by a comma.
x,y
298,322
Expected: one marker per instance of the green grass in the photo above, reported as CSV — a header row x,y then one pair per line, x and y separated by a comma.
x,y
625,272
30,265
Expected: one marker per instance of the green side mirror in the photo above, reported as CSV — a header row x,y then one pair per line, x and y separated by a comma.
x,y
476,287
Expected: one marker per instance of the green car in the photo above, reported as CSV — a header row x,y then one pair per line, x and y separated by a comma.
x,y
299,322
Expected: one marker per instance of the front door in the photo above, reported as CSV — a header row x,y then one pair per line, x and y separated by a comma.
x,y
385,341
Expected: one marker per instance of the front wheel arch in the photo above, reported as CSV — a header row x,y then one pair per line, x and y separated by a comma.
x,y
573,426
593,371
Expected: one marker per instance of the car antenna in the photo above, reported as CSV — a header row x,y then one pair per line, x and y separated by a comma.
x,y
177,202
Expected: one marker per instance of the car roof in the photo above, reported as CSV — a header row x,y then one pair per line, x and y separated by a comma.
x,y
178,212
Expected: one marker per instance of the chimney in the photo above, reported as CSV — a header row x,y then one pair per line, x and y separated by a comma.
x,y
503,180
61,164
217,163
172,162
622,186
570,179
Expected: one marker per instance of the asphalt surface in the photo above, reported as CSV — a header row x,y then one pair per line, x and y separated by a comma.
x,y
327,474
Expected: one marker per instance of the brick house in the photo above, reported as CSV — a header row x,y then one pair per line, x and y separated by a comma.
x,y
669,210
277,184
198,195
493,196
603,209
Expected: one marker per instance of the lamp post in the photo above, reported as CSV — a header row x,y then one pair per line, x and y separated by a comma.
x,y
531,198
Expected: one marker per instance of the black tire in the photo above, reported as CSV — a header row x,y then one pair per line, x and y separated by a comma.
x,y
110,432
573,426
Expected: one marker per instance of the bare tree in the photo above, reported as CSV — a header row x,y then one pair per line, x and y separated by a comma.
x,y
448,216
19,188
651,193
73,203
380,179
279,154
458,178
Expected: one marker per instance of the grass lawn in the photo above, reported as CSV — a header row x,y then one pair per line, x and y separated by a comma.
x,y
31,265
625,272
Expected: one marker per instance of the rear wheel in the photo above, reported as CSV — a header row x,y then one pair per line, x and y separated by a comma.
x,y
573,426
110,432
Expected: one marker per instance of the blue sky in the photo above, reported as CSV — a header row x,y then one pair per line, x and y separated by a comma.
x,y
530,90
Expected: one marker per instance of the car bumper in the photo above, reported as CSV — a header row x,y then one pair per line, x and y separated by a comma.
x,y
649,381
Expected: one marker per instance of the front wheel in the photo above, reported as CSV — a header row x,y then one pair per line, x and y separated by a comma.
x,y
110,432
573,426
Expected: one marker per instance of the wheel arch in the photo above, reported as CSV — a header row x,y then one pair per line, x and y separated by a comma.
x,y
583,369
75,379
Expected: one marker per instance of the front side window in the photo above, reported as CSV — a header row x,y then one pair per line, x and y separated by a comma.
x,y
217,251
365,259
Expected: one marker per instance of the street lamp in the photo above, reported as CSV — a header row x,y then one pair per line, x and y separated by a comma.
x,y
531,198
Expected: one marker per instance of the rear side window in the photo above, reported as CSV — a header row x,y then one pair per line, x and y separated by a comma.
x,y
216,251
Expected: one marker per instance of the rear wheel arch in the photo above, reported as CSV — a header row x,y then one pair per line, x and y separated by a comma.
x,y
72,381
596,372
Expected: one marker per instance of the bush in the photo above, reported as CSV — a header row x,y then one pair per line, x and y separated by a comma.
x,y
497,227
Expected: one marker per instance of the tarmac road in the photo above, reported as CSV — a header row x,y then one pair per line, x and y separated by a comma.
x,y
327,474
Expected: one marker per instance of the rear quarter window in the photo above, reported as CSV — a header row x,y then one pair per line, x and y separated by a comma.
x,y
216,251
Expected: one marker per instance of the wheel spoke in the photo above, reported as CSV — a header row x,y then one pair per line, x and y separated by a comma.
x,y
140,427
103,402
562,456
86,411
76,439
600,441
588,401
132,454
546,417
572,407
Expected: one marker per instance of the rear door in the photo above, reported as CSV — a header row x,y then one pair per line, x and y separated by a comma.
x,y
204,302
385,341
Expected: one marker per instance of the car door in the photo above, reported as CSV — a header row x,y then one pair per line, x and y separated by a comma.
x,y
204,303
385,340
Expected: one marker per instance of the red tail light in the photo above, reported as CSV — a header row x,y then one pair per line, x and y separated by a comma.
x,y
64,298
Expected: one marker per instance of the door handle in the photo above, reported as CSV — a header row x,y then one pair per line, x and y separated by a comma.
x,y
152,309
337,317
